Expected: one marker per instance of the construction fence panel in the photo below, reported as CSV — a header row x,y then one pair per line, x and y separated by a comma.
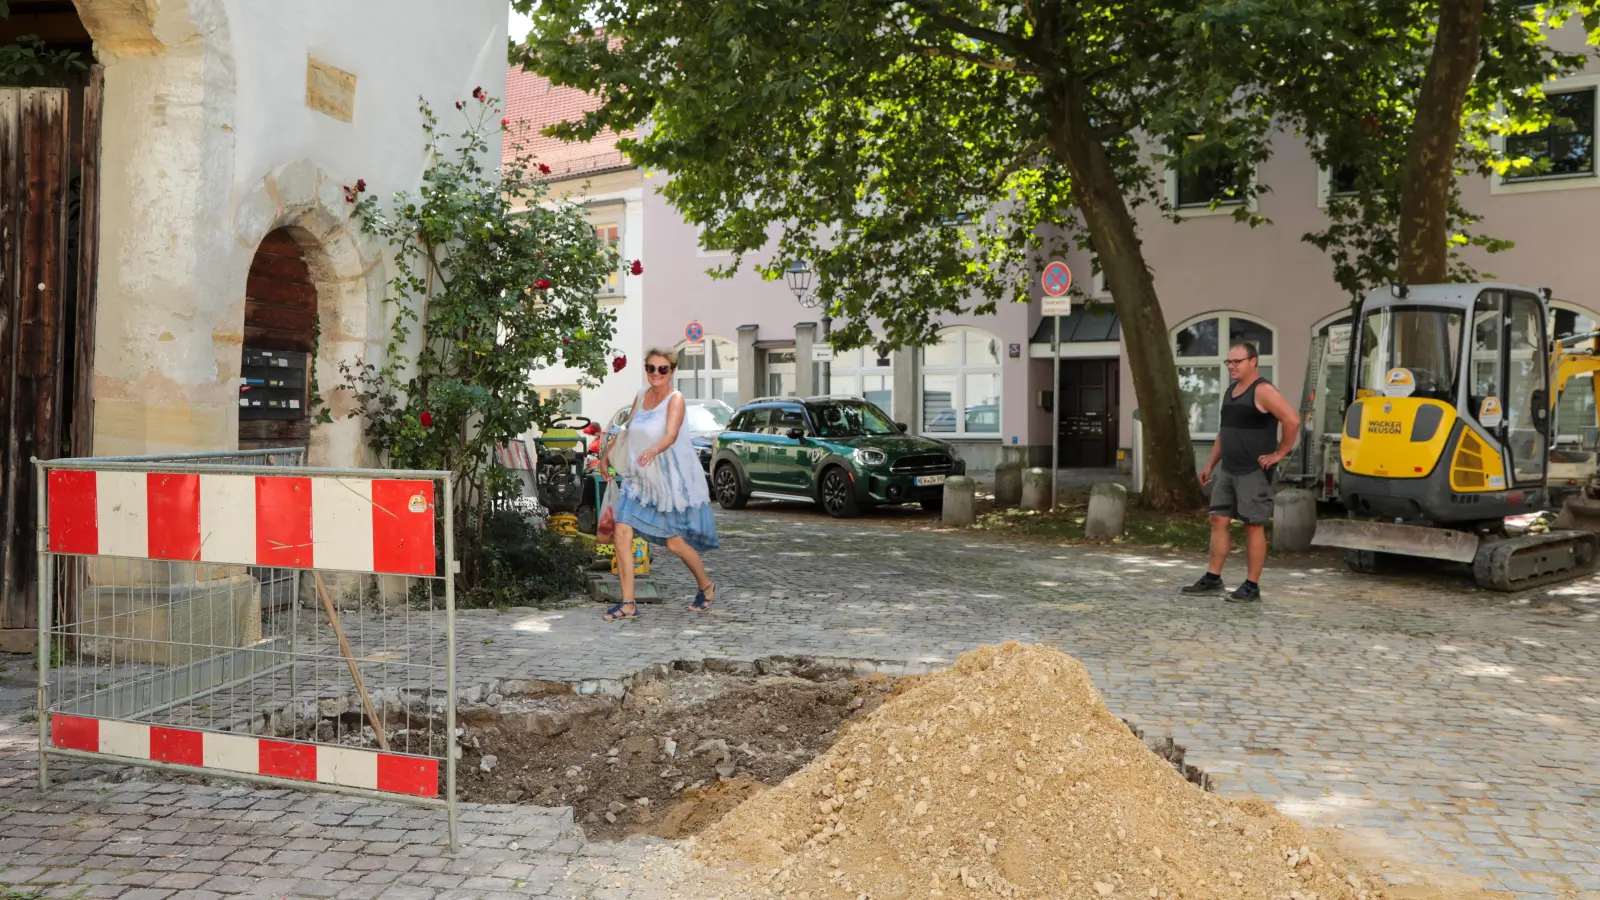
x,y
287,625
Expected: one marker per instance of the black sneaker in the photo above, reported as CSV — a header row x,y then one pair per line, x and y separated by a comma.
x,y
1208,584
1249,592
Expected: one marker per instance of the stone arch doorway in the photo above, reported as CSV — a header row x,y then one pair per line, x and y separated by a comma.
x,y
280,342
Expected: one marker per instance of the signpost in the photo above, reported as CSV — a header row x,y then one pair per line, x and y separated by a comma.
x,y
1056,281
695,334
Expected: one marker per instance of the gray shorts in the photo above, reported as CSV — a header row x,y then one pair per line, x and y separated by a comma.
x,y
1247,497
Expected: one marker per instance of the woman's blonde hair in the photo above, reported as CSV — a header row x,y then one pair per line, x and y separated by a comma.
x,y
670,356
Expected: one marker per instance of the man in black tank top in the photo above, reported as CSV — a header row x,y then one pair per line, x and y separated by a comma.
x,y
1243,469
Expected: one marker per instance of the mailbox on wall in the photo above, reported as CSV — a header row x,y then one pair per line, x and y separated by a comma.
x,y
273,384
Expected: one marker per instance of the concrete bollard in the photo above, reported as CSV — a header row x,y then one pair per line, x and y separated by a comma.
x,y
959,505
1108,507
1036,489
1294,520
1008,484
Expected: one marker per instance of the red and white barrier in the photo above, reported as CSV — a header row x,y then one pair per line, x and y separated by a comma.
x,y
344,766
383,526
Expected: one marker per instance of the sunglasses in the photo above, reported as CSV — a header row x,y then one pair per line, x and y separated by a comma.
x,y
658,370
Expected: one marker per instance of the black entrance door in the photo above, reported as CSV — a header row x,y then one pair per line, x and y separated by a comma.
x,y
1089,402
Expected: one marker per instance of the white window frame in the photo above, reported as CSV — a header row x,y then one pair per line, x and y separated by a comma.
x,y
699,247
1325,190
1499,185
1223,342
708,376
1195,211
1097,279
959,401
615,287
857,363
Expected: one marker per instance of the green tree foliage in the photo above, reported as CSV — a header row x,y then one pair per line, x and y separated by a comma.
x,y
493,281
1406,98
923,155
28,60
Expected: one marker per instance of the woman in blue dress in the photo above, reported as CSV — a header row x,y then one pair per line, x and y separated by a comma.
x,y
663,497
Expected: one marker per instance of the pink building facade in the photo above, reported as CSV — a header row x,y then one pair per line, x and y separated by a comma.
x,y
987,386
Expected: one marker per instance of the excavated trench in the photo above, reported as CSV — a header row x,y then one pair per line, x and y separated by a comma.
x,y
681,746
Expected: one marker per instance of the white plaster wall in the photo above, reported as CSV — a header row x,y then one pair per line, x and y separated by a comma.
x,y
209,144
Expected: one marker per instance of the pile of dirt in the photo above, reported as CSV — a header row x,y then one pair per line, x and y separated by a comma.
x,y
1006,776
670,758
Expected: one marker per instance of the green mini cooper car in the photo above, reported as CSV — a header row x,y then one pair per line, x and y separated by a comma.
x,y
841,452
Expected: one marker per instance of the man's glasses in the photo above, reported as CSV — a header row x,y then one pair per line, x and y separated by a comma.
x,y
1234,362
657,370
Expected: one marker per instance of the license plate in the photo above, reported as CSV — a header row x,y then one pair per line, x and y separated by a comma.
x,y
927,480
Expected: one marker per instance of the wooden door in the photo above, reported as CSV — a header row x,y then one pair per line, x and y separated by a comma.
x,y
1088,424
35,162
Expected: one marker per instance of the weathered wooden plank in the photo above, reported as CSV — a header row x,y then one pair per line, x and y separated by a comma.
x,y
45,142
19,640
88,265
12,596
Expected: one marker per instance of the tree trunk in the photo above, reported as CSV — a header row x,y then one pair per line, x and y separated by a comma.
x,y
1430,167
1170,479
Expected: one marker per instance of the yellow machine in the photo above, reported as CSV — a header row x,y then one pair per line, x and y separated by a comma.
x,y
1447,433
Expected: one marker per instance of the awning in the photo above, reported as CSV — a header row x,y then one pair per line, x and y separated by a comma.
x,y
1084,326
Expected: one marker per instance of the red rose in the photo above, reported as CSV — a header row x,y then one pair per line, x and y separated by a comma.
x,y
459,104
566,340
361,185
477,93
505,123
637,268
542,284
620,363
426,419
544,169
349,198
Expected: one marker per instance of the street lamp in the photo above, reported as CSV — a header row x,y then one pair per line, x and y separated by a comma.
x,y
798,276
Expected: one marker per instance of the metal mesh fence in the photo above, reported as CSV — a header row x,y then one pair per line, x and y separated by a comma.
x,y
283,625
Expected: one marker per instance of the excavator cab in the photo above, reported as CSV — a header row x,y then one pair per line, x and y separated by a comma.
x,y
1447,433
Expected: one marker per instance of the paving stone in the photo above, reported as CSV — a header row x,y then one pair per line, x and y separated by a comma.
x,y
1455,722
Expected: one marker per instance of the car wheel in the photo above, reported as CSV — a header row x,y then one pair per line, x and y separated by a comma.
x,y
729,492
839,494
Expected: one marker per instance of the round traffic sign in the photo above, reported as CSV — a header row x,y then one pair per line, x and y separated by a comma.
x,y
695,332
1057,278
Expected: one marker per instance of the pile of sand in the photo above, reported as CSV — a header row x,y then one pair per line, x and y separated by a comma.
x,y
1006,776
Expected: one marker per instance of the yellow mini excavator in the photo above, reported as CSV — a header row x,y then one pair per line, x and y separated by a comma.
x,y
1448,413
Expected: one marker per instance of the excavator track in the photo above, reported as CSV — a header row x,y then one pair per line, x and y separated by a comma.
x,y
1533,560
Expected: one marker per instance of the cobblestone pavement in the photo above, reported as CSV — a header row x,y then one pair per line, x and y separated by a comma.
x,y
1441,726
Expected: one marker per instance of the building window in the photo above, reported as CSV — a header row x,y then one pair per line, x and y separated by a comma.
x,y
610,235
1220,182
1342,181
1201,345
863,373
961,384
1575,424
712,372
569,398
1565,148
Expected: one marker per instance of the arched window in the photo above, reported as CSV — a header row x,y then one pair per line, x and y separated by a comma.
x,y
863,373
961,384
1575,410
712,373
1201,344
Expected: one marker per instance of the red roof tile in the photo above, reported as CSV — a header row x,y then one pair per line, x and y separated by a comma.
x,y
532,104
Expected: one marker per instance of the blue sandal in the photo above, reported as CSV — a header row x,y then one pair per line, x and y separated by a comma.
x,y
615,613
702,603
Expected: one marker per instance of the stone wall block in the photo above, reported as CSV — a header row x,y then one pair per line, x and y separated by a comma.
x,y
256,215
297,184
